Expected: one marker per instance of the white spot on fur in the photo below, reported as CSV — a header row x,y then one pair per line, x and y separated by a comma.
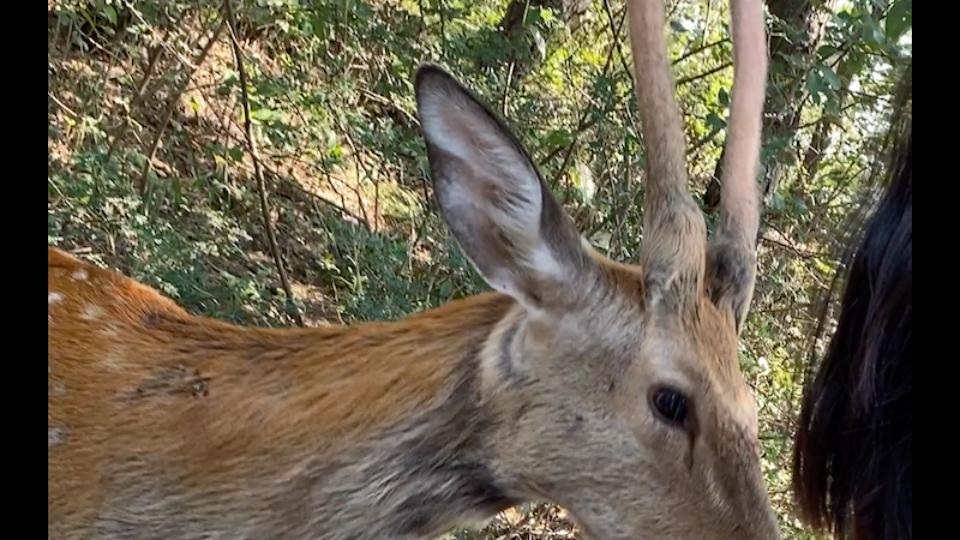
x,y
55,435
56,389
79,274
91,313
54,297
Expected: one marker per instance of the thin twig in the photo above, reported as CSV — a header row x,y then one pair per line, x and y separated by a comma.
x,y
172,106
584,121
297,159
423,16
343,200
357,158
698,50
376,198
706,22
387,103
67,43
615,36
91,105
136,13
252,148
796,251
691,78
442,10
616,41
338,207
153,58
825,117
56,36
61,105
703,140
506,89
504,105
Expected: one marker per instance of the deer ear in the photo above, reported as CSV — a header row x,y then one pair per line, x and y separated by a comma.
x,y
731,273
493,199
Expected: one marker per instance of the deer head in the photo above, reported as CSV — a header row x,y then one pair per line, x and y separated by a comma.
x,y
616,389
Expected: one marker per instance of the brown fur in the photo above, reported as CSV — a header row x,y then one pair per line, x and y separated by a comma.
x,y
165,425
133,375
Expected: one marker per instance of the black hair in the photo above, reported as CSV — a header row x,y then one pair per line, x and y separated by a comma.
x,y
852,471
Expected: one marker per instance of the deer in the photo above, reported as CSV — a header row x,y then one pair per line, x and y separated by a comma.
x,y
610,389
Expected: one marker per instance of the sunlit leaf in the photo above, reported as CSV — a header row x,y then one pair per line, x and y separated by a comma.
x,y
899,19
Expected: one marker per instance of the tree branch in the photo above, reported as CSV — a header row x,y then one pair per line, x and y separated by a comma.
x,y
699,50
692,78
258,171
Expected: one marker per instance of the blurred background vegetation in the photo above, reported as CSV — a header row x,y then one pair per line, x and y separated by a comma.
x,y
151,165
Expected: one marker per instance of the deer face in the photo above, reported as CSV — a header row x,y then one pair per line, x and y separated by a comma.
x,y
637,422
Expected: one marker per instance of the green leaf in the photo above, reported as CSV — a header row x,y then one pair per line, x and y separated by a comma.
x,y
236,153
230,79
814,84
110,14
829,76
265,115
871,32
776,201
799,206
559,137
177,194
714,121
446,289
822,266
723,97
533,16
826,51
831,111
846,17
899,19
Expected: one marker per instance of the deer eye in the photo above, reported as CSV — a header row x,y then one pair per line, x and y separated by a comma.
x,y
671,405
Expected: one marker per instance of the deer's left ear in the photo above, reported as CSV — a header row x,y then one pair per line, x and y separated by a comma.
x,y
731,274
503,215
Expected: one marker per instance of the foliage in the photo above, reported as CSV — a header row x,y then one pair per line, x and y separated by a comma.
x,y
149,171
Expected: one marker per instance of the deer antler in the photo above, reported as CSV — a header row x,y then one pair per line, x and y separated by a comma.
x,y
732,257
672,253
